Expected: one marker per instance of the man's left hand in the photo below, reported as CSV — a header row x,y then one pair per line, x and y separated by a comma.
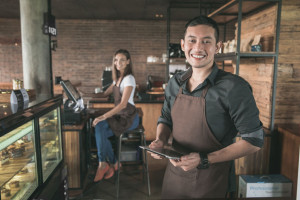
x,y
187,162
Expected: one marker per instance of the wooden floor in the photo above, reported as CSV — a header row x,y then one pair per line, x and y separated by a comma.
x,y
131,183
132,186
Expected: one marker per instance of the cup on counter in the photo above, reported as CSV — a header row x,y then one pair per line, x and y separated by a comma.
x,y
97,90
164,85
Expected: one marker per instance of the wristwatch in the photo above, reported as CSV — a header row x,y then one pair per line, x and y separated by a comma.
x,y
204,164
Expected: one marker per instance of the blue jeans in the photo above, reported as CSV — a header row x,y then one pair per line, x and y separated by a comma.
x,y
102,133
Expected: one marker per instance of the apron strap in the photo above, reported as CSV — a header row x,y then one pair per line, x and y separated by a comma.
x,y
179,91
204,92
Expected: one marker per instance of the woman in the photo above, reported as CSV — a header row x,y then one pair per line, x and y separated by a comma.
x,y
122,117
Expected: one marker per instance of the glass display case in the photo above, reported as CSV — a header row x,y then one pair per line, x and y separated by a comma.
x,y
50,140
18,169
30,148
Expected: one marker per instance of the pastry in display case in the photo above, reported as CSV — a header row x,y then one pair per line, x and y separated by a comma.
x,y
51,146
18,171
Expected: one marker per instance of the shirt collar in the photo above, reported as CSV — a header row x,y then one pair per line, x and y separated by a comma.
x,y
211,77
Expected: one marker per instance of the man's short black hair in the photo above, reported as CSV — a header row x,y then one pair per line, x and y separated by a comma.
x,y
203,20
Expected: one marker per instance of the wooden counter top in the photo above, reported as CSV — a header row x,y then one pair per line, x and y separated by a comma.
x,y
155,92
95,112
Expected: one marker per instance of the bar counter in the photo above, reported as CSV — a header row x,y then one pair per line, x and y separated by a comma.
x,y
151,109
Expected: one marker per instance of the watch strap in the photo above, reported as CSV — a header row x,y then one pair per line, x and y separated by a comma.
x,y
204,163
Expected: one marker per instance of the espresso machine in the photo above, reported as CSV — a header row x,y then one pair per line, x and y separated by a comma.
x,y
106,78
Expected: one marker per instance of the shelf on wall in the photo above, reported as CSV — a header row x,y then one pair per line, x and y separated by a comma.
x,y
229,11
233,55
173,61
176,61
156,63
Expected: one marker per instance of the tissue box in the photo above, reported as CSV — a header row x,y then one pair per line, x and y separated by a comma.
x,y
271,185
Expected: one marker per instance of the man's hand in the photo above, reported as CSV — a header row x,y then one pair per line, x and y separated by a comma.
x,y
187,162
156,144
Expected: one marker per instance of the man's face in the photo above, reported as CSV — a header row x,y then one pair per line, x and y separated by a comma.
x,y
199,46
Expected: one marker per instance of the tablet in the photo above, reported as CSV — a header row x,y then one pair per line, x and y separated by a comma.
x,y
167,153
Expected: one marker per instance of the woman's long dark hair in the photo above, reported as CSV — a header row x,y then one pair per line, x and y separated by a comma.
x,y
128,70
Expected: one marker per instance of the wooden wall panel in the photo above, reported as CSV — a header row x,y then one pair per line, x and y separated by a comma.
x,y
259,74
151,115
72,157
287,108
290,143
291,2
256,163
259,71
262,23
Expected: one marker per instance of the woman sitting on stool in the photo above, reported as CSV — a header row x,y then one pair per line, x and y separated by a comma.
x,y
121,118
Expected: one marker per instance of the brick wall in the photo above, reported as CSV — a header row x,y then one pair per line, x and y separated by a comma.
x,y
85,48
10,54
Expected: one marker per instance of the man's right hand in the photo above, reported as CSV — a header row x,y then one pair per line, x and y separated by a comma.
x,y
156,144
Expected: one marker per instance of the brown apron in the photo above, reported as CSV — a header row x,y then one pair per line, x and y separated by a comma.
x,y
191,131
123,120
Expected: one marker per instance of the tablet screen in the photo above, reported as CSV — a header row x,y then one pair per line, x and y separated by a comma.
x,y
168,153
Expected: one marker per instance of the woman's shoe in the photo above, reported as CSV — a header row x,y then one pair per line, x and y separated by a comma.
x,y
116,166
109,173
100,173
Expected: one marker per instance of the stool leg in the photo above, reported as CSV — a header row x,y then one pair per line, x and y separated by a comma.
x,y
119,160
146,165
143,156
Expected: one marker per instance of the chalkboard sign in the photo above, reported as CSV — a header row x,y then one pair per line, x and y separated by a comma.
x,y
49,27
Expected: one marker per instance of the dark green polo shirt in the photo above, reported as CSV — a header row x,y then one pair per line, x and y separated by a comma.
x,y
230,105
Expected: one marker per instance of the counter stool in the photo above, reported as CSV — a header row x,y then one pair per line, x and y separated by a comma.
x,y
126,136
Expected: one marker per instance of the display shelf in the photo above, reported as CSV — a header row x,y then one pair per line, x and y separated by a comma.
x,y
233,55
156,63
14,167
176,61
16,134
229,12
50,134
172,61
237,10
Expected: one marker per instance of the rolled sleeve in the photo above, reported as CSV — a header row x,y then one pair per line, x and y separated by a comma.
x,y
164,121
255,138
165,117
242,108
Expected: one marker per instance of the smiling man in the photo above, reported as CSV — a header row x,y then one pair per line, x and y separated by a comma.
x,y
204,109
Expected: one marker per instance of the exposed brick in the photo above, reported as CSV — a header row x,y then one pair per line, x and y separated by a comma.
x,y
85,48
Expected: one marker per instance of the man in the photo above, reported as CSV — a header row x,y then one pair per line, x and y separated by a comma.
x,y
204,109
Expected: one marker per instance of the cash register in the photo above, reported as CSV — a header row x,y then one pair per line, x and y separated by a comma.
x,y
74,106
